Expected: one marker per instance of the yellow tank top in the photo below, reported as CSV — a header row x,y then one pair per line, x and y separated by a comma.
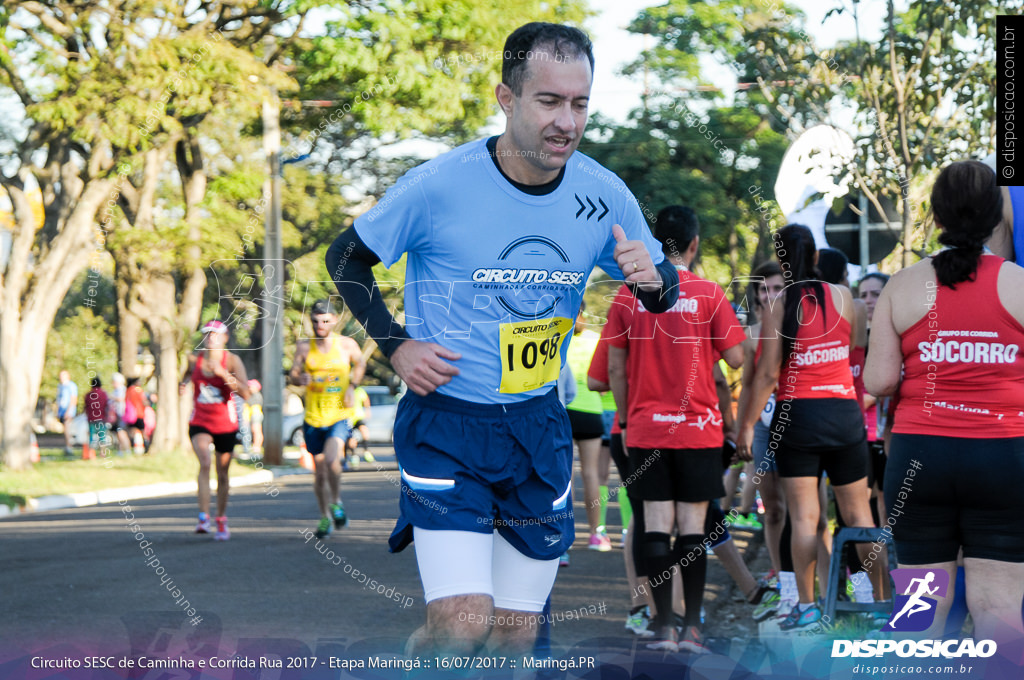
x,y
329,379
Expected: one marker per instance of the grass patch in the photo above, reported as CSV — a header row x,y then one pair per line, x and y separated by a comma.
x,y
56,475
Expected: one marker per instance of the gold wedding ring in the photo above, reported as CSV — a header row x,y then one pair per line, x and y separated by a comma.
x,y
636,267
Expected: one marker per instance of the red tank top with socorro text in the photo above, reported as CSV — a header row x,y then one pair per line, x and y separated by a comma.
x,y
212,407
819,367
963,373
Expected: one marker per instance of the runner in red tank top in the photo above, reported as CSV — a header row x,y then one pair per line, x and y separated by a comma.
x,y
818,425
954,324
215,373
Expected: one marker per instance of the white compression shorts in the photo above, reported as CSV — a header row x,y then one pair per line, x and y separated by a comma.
x,y
470,563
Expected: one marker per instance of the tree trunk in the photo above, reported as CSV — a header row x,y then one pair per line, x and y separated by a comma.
x,y
129,326
28,305
19,390
165,343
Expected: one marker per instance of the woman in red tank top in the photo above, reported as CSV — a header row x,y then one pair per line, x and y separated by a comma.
x,y
817,425
215,373
946,340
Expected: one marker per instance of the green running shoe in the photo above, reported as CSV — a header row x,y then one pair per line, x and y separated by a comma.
x,y
340,518
324,528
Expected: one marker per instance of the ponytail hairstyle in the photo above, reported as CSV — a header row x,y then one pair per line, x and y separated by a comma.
x,y
795,248
967,204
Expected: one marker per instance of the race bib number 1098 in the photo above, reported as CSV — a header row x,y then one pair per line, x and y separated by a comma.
x,y
529,353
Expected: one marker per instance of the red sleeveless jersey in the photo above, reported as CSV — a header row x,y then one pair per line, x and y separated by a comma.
x,y
212,407
819,367
963,375
673,402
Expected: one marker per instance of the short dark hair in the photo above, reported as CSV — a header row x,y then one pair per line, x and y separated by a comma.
x,y
675,228
322,306
96,382
562,42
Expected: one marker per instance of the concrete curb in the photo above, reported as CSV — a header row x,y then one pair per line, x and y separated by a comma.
x,y
79,500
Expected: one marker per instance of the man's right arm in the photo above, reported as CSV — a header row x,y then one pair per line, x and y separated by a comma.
x,y
421,365
350,263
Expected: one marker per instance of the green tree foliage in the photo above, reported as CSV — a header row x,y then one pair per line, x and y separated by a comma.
x,y
106,93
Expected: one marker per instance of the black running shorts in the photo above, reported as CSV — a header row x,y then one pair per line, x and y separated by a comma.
x,y
681,475
222,443
820,435
585,425
944,493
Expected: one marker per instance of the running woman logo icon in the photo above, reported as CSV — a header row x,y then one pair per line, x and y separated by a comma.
x,y
914,610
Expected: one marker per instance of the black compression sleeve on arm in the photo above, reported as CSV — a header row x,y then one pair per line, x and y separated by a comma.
x,y
350,263
661,300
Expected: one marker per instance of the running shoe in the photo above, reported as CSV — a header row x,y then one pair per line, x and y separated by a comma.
x,y
354,461
223,533
754,522
801,618
639,620
764,589
692,640
203,527
324,528
368,457
768,605
600,543
748,521
563,561
665,639
338,513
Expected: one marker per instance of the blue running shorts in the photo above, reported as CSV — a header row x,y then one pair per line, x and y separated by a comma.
x,y
316,437
481,467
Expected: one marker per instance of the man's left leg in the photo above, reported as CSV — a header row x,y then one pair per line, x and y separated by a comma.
x,y
521,587
692,559
333,452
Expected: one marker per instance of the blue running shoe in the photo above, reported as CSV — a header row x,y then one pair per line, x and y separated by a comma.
x,y
799,617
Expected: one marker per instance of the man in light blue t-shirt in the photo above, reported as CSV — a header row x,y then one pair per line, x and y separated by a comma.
x,y
501,236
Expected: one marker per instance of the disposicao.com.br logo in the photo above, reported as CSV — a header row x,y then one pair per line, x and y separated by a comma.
x,y
914,611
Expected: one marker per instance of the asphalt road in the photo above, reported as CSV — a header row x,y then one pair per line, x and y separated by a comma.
x,y
88,581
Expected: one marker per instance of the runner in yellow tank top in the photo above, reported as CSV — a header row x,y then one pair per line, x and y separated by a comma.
x,y
330,368
329,383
